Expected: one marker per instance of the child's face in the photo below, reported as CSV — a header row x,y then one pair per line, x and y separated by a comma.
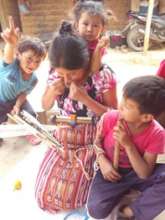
x,y
90,27
70,76
129,111
29,62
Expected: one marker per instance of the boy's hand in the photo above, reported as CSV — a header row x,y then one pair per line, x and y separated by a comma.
x,y
12,34
15,110
103,42
120,135
107,170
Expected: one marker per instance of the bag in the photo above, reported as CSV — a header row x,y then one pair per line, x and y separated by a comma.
x,y
63,180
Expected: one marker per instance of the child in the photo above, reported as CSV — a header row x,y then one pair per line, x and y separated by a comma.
x,y
140,139
63,181
89,22
17,78
161,73
161,70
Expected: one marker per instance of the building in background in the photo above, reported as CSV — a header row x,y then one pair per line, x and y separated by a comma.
x,y
42,17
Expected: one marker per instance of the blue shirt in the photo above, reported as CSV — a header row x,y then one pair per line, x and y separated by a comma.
x,y
12,83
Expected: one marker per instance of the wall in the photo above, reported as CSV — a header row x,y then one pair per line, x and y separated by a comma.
x,y
9,7
46,15
120,9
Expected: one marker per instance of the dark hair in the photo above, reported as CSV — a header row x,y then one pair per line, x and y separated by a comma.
x,y
68,50
34,44
91,7
148,92
89,0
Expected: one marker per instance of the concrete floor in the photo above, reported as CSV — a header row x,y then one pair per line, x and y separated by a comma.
x,y
20,161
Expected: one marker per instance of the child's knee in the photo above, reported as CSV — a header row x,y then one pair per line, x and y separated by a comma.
x,y
96,210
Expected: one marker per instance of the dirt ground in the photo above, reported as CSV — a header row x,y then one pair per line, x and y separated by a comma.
x,y
20,160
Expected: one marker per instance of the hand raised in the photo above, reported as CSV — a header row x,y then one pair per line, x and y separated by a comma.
x,y
103,42
12,34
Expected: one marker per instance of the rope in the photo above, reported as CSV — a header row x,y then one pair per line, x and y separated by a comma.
x,y
87,175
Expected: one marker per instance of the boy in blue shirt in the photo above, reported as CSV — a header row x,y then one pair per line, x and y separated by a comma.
x,y
17,78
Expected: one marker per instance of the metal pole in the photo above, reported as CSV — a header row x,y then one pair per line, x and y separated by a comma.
x,y
148,25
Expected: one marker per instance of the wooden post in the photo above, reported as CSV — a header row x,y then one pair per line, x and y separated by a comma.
x,y
116,155
148,25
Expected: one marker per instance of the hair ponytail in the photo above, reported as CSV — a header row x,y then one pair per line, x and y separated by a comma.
x,y
68,50
66,28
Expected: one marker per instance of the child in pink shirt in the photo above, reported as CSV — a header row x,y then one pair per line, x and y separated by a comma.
x,y
139,138
161,70
161,73
149,140
89,22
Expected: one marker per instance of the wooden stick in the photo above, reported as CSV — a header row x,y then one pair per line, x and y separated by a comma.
x,y
17,130
148,25
67,119
116,155
43,134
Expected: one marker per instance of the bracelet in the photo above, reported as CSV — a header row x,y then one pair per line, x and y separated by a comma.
x,y
96,166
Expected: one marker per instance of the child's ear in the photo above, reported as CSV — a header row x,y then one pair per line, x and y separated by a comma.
x,y
75,26
147,117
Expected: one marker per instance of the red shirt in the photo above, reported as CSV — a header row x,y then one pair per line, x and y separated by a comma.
x,y
92,46
161,70
151,139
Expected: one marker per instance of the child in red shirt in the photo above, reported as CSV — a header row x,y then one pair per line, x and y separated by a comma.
x,y
139,139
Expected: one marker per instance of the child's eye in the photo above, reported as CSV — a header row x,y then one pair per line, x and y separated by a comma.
x,y
95,25
85,24
29,59
38,61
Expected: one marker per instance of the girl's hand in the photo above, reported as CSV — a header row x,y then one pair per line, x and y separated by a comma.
x,y
58,86
77,93
12,34
120,135
107,170
103,42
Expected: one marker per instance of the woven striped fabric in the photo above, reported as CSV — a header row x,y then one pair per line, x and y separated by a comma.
x,y
64,179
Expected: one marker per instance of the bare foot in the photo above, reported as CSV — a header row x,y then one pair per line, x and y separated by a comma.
x,y
127,212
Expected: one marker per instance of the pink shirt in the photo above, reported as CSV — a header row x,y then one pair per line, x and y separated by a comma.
x,y
151,139
161,70
95,85
92,46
